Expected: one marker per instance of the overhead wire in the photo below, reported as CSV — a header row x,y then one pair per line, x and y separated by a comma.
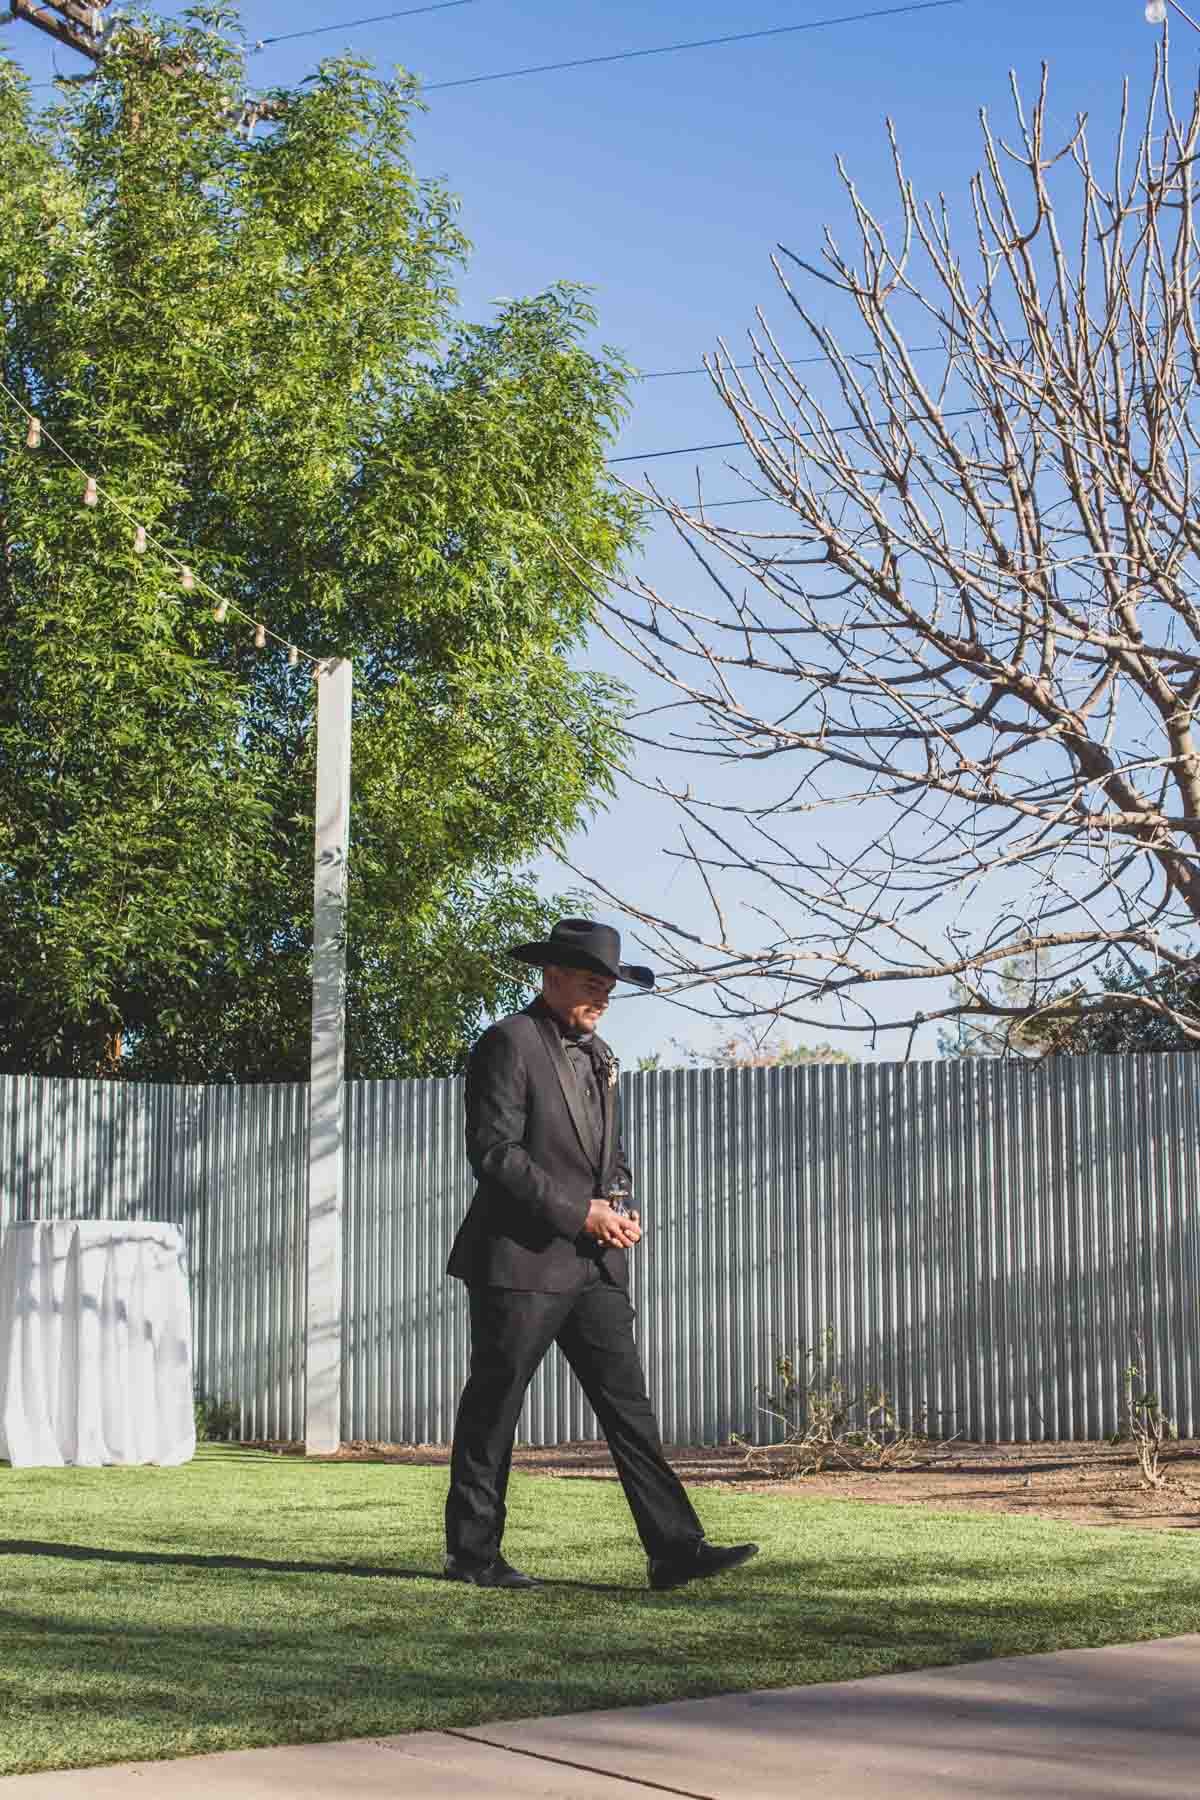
x,y
704,506
777,362
584,62
733,37
287,37
409,12
962,412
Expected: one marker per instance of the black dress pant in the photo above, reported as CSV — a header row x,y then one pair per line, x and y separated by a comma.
x,y
511,1332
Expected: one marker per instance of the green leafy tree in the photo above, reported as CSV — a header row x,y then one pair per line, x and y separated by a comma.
x,y
1134,1008
252,341
1132,1019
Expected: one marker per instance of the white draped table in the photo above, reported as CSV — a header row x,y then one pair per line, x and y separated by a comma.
x,y
95,1344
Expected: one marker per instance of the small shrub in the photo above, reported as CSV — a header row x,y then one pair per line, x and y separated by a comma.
x,y
216,1420
825,1423
1145,1424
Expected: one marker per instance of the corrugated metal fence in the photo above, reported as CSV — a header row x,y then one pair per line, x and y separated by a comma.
x,y
988,1241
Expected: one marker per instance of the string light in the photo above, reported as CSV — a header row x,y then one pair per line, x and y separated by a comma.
x,y
189,581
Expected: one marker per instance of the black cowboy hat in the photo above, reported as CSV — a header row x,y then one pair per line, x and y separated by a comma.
x,y
583,944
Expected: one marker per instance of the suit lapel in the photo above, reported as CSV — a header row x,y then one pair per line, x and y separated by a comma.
x,y
548,1033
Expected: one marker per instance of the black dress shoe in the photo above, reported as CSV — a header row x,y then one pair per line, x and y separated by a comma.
x,y
705,1560
498,1574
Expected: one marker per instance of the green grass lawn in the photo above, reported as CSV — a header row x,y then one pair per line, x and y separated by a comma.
x,y
249,1599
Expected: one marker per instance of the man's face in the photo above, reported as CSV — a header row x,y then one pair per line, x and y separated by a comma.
x,y
578,996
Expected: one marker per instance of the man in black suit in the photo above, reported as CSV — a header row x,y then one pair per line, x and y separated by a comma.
x,y
543,1253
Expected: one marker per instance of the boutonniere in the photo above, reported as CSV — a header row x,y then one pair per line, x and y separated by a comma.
x,y
613,1071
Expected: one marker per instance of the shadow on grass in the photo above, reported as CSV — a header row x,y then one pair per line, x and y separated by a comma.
x,y
191,1560
155,1668
270,1565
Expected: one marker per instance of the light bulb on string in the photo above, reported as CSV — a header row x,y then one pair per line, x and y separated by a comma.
x,y
36,436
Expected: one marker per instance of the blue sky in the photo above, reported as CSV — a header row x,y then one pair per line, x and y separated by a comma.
x,y
664,184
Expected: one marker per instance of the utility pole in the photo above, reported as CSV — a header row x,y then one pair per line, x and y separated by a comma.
x,y
79,27
84,28
326,1110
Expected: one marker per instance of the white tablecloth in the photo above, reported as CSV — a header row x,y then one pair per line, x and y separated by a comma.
x,y
95,1344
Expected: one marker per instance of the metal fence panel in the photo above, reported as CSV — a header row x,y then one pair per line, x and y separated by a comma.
x,y
98,1149
251,1276
404,1331
991,1242
988,1241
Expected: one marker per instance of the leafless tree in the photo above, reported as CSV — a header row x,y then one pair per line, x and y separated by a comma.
x,y
975,637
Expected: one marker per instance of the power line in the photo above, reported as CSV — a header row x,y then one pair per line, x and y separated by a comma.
x,y
692,449
584,62
409,12
705,506
288,37
780,362
964,412
735,37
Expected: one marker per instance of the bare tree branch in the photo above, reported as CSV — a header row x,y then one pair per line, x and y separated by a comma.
x,y
976,634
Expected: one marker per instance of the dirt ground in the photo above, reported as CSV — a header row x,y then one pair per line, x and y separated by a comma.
x,y
1082,1484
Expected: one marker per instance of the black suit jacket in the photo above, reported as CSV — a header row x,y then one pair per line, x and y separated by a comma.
x,y
527,1141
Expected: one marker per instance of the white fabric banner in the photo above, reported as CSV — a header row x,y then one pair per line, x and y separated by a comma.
x,y
95,1344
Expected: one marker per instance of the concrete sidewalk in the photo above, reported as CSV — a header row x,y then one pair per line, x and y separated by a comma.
x,y
1078,1725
